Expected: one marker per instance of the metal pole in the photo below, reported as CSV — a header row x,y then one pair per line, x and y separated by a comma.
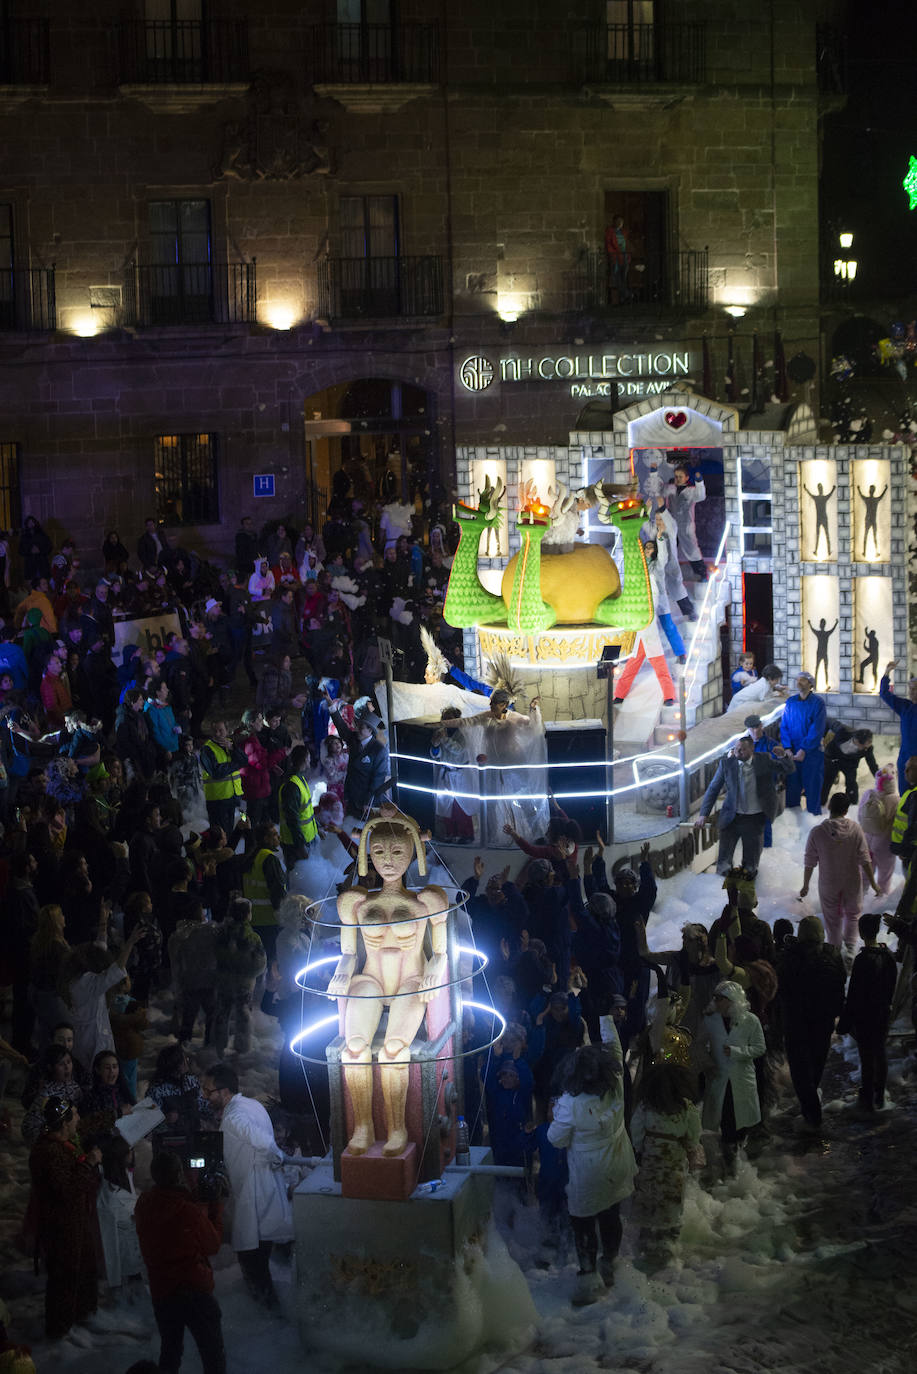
x,y
682,759
385,653
610,754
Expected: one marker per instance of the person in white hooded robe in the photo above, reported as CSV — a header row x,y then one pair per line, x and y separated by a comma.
x,y
734,1040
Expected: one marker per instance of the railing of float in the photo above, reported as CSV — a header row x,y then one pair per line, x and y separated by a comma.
x,y
481,771
632,773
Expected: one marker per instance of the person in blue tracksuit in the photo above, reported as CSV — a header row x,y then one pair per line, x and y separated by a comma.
x,y
905,708
802,729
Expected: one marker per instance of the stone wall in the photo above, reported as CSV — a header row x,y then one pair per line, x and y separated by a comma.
x,y
501,174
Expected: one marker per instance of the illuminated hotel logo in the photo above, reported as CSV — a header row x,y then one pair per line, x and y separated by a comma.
x,y
477,373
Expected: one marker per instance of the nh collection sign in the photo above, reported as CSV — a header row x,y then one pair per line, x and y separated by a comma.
x,y
633,373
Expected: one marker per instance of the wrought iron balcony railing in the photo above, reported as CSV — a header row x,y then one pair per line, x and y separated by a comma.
x,y
27,299
374,54
191,293
380,288
24,52
184,52
642,54
675,282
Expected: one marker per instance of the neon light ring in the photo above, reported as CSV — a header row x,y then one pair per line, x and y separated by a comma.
x,y
451,1058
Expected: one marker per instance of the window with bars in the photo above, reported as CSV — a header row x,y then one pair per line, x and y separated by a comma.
x,y
186,478
10,504
181,272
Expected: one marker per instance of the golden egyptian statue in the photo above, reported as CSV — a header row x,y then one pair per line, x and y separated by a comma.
x,y
396,974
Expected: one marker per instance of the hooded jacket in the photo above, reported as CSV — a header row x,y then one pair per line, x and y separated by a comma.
x,y
838,848
810,984
177,1235
600,1156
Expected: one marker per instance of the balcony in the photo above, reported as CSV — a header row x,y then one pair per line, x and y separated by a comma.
x,y
670,283
208,55
372,68
27,299
641,56
190,294
24,52
380,288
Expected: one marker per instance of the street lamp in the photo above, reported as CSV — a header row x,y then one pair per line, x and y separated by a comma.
x,y
845,269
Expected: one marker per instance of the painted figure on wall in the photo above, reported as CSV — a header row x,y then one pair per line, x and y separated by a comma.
x,y
871,645
821,499
822,635
870,518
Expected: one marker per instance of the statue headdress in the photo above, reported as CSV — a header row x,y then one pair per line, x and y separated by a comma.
x,y
399,822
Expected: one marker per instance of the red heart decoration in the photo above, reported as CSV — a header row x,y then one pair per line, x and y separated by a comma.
x,y
675,419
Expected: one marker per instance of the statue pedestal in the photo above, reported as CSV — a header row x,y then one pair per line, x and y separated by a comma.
x,y
386,1178
424,1284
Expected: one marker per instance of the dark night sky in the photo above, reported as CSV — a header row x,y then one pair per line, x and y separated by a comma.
x,y
867,146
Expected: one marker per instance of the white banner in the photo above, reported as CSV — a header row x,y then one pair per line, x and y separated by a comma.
x,y
150,633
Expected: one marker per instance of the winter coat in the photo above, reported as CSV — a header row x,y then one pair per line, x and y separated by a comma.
x,y
261,1209
838,848
56,700
810,985
240,957
256,775
508,1110
192,956
161,723
176,1237
745,1039
873,979
133,742
128,1022
120,1243
599,1155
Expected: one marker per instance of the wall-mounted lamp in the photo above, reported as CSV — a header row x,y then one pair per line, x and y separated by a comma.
x,y
85,325
736,311
281,314
845,240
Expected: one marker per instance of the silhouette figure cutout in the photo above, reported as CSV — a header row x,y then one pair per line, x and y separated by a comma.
x,y
870,526
821,499
822,636
871,645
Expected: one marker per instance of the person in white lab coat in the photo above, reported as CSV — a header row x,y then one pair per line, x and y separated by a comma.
x,y
734,1039
262,1213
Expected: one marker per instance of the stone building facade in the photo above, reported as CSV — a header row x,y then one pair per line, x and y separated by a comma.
x,y
241,244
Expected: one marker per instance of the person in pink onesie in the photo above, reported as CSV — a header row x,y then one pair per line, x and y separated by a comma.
x,y
876,813
838,849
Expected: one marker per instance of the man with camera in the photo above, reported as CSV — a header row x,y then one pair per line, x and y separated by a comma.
x,y
178,1232
261,1210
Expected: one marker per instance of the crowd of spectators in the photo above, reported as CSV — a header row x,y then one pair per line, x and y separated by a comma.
x,y
112,742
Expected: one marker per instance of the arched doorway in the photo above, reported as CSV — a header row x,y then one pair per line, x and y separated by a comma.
x,y
371,438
